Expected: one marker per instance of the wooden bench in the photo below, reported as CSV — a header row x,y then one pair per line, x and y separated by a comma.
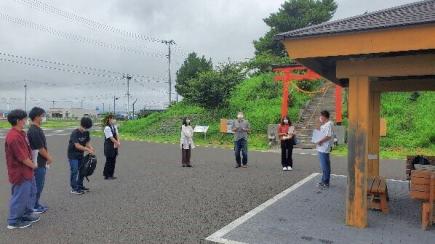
x,y
423,188
377,193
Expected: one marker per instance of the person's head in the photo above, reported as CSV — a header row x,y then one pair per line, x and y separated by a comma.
x,y
186,121
240,115
86,123
109,120
37,115
286,121
17,118
324,116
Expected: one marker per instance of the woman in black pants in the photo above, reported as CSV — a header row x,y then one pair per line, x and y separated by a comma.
x,y
286,134
111,145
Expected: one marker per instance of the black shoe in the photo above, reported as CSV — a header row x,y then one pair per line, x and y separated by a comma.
x,y
183,165
19,225
189,166
237,166
84,189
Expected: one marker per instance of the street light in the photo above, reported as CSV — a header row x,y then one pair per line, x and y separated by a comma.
x,y
114,100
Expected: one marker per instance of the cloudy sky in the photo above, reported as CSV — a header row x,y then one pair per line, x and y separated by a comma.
x,y
73,53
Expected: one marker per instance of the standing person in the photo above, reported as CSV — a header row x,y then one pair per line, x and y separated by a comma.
x,y
111,145
20,171
241,129
40,154
186,143
79,143
324,147
286,132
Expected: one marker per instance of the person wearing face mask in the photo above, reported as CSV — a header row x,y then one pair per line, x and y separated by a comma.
x,y
40,154
241,129
79,143
186,143
20,172
286,132
323,147
111,145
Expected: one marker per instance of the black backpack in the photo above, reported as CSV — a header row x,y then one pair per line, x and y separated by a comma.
x,y
88,166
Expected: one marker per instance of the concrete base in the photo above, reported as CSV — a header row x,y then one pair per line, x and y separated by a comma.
x,y
306,214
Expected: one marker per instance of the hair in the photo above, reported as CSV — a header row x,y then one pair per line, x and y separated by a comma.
x,y
107,118
286,117
185,121
36,112
325,114
15,115
86,122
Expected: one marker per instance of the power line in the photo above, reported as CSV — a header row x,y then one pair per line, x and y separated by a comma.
x,y
95,25
74,65
75,37
44,7
105,73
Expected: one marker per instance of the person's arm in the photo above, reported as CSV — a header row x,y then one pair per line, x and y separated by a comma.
x,y
248,127
279,131
327,137
21,154
235,129
90,147
78,146
44,153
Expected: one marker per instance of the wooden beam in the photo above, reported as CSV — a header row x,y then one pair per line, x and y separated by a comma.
x,y
374,133
405,85
355,43
358,131
412,65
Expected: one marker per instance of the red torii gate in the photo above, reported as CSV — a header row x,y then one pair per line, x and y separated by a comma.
x,y
296,72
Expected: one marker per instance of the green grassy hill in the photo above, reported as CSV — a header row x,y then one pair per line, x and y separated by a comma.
x,y
258,97
411,127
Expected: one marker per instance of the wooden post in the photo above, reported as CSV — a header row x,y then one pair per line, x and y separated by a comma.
x,y
359,121
374,133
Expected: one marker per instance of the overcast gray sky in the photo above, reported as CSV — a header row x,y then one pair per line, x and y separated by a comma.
x,y
219,29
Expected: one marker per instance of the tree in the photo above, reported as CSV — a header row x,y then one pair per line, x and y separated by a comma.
x,y
293,14
212,88
190,69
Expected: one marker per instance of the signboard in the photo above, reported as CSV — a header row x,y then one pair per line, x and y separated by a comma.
x,y
200,129
226,126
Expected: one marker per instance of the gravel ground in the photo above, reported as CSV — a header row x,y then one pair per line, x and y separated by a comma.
x,y
154,200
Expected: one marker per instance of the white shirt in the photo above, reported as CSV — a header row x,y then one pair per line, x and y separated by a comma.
x,y
108,132
326,130
186,137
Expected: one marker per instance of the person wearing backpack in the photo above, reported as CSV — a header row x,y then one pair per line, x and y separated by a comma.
x,y
111,145
79,143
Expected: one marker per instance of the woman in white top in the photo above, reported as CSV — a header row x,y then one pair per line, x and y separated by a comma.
x,y
186,142
111,145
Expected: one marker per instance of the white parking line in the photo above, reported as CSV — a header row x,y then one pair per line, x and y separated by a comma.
x,y
218,235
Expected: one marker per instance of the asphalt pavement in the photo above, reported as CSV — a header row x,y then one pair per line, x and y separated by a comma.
x,y
154,199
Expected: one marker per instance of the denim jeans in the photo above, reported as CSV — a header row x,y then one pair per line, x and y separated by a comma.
x,y
40,181
241,145
22,200
325,165
76,181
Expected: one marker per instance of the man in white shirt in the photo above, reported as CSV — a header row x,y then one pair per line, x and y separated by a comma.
x,y
323,147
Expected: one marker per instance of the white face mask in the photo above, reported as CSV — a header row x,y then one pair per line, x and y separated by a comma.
x,y
188,121
286,121
240,116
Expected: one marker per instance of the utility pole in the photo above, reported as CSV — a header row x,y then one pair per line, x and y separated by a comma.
x,y
128,77
169,43
25,97
114,105
133,107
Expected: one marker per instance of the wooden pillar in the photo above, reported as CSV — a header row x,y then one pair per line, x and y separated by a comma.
x,y
374,132
338,104
359,121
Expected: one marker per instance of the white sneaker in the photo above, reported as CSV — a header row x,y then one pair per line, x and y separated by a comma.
x,y
289,168
284,169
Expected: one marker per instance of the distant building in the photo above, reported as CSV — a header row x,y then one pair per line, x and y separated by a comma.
x,y
70,113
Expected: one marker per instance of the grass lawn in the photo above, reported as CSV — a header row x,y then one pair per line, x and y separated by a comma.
x,y
4,124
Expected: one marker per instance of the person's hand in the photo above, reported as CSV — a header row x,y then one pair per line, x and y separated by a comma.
x,y
320,143
118,143
49,160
